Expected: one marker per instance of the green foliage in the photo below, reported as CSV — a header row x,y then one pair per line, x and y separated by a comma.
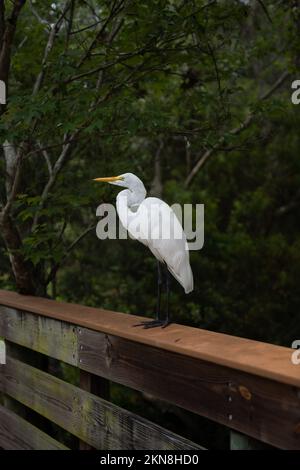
x,y
183,74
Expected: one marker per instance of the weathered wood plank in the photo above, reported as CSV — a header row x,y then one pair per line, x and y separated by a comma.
x,y
257,395
18,434
96,385
254,357
45,335
92,419
261,408
239,441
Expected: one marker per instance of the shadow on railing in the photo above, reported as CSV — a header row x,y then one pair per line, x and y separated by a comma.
x,y
251,387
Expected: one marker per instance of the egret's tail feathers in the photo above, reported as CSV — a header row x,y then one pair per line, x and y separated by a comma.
x,y
189,289
184,277
189,282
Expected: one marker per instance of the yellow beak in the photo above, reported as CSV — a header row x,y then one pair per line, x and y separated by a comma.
x,y
109,179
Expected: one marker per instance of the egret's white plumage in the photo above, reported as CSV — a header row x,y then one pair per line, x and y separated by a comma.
x,y
151,221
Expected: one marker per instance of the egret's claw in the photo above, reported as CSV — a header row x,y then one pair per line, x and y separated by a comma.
x,y
153,323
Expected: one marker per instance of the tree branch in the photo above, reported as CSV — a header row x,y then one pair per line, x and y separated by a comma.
x,y
7,37
47,158
77,31
37,15
2,19
13,169
49,46
53,175
237,130
21,269
115,10
70,23
57,265
11,158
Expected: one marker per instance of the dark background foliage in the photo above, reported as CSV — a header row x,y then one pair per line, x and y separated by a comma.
x,y
195,98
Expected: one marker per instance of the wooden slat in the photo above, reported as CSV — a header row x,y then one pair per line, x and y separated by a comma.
x,y
45,335
96,385
262,359
18,434
92,419
264,409
173,377
241,442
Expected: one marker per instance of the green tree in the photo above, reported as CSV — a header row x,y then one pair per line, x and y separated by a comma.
x,y
194,97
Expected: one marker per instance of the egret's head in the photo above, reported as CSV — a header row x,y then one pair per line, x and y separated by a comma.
x,y
127,180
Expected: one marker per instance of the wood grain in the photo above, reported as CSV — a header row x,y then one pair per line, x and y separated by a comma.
x,y
250,387
259,407
241,442
96,385
254,357
18,434
45,335
93,420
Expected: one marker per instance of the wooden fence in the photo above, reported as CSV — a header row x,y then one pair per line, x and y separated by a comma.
x,y
248,386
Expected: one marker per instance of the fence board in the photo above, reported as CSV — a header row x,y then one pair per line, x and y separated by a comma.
x,y
92,419
249,386
18,434
45,335
254,357
96,385
241,442
264,409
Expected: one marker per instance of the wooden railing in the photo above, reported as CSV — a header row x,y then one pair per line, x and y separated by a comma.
x,y
248,386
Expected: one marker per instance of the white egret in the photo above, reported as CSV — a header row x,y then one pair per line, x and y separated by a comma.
x,y
152,222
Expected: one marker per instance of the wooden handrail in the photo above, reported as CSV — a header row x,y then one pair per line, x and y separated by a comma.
x,y
254,357
248,386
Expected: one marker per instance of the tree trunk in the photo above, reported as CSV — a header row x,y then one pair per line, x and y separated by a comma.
x,y
22,270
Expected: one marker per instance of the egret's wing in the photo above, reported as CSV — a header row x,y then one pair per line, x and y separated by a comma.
x,y
160,230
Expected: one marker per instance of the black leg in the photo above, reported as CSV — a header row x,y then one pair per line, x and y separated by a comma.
x,y
168,285
159,284
158,321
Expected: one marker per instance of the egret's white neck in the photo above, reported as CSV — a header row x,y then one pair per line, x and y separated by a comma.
x,y
133,196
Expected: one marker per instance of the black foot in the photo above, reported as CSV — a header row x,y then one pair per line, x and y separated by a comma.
x,y
153,323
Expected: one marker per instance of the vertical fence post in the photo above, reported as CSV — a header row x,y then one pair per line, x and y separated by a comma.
x,y
96,385
240,441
